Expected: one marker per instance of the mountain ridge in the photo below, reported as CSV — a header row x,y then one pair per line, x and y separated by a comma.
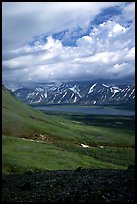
x,y
85,93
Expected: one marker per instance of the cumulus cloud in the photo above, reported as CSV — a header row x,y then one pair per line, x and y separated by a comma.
x,y
107,51
23,20
117,30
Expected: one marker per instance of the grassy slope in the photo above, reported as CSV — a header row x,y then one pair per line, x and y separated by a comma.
x,y
64,152
19,119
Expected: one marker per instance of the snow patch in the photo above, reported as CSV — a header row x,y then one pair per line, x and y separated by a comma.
x,y
132,92
18,94
64,95
101,147
114,90
54,98
105,85
125,95
72,96
79,95
115,87
122,90
83,145
91,88
75,90
30,95
113,95
75,99
39,89
45,95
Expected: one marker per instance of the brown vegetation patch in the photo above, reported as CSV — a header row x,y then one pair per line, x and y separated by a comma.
x,y
43,138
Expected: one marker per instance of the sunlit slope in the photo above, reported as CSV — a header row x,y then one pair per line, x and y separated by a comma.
x,y
19,155
18,119
22,121
61,148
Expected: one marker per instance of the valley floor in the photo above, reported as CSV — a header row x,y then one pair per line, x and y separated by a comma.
x,y
81,185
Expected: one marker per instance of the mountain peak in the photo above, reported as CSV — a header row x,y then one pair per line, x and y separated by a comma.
x,y
78,92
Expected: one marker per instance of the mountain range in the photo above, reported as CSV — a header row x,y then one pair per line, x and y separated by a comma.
x,y
86,93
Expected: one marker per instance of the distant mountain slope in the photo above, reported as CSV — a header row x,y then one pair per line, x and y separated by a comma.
x,y
78,93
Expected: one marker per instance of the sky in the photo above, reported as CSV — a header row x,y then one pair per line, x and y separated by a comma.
x,y
61,41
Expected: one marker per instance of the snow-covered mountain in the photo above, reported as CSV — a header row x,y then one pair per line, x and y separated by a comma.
x,y
78,92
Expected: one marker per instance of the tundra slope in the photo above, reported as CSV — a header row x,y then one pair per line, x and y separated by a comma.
x,y
60,133
55,186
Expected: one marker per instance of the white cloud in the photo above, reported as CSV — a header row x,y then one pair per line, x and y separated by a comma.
x,y
111,28
111,36
85,41
19,61
129,12
52,44
117,30
23,20
130,54
119,66
107,51
56,62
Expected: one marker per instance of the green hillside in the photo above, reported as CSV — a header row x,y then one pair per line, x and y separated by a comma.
x,y
18,119
54,141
